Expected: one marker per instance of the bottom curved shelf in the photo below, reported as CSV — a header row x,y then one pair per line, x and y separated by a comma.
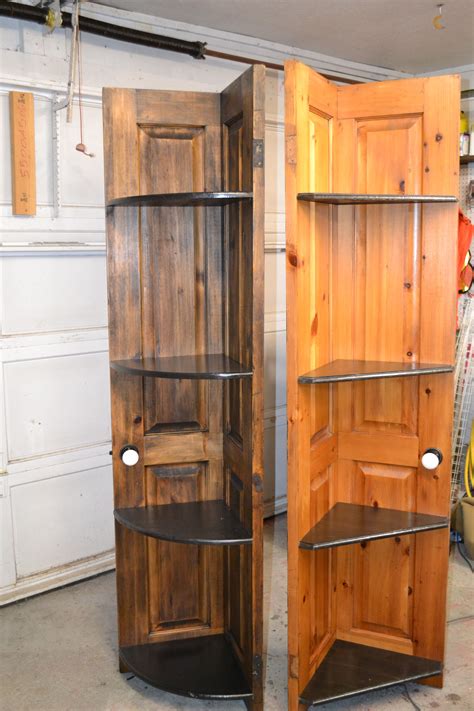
x,y
200,667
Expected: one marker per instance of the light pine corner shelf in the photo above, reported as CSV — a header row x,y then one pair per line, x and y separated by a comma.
x,y
364,280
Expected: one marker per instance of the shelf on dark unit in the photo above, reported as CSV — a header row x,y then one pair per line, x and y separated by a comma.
x,y
199,667
180,199
214,366
466,159
361,199
340,370
198,522
350,669
350,523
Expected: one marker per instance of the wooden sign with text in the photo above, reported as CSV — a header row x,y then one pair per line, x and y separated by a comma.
x,y
22,131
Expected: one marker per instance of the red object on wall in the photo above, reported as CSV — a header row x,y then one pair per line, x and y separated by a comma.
x,y
465,235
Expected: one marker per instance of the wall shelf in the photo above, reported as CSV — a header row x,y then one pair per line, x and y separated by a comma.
x,y
361,199
199,667
199,522
344,370
214,366
350,669
351,523
181,199
464,160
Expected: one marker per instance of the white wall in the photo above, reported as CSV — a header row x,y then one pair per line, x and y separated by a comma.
x,y
55,473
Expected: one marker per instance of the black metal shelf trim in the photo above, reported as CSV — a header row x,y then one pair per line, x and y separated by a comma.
x,y
350,669
199,522
181,199
348,370
199,667
345,524
216,366
362,199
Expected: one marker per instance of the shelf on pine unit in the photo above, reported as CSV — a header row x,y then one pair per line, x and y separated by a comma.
x,y
197,522
343,370
215,366
361,199
199,667
350,523
180,199
350,669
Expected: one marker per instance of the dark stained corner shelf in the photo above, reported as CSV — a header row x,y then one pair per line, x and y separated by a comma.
x,y
343,370
198,522
361,199
214,366
199,667
350,523
350,669
180,199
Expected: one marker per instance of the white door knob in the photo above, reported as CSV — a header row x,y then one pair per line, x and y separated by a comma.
x,y
129,455
431,458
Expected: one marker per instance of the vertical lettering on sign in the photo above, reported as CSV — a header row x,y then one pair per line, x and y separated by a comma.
x,y
22,131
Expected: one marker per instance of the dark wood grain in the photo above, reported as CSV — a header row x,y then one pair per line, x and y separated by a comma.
x,y
181,199
350,669
202,668
199,522
346,370
206,367
186,309
360,199
350,523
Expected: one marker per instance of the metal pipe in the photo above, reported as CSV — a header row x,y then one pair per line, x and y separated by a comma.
x,y
198,50
105,29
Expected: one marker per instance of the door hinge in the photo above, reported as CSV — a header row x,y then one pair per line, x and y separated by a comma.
x,y
258,153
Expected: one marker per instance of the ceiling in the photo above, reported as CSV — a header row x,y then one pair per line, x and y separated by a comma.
x,y
396,34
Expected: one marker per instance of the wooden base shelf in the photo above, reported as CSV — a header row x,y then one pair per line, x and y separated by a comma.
x,y
180,199
215,366
350,523
350,669
342,370
360,199
199,522
199,667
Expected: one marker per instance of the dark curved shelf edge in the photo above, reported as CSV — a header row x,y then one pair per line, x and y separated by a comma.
x,y
181,199
376,199
197,522
216,366
338,371
207,665
350,669
345,524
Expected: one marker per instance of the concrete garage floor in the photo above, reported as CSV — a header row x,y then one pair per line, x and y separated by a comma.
x,y
58,651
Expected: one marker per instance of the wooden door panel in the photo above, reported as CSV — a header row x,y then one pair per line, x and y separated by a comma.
x,y
364,282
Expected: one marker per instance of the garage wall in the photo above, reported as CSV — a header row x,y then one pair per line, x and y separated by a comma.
x,y
56,481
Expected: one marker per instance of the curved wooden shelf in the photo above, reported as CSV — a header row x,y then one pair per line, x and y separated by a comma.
x,y
351,523
343,370
201,367
180,199
198,522
361,199
350,669
199,667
